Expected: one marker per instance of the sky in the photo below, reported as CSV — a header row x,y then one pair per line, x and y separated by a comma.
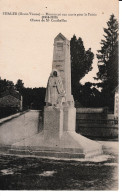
x,y
26,48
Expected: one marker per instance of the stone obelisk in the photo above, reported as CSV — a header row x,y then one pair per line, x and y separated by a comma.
x,y
66,113
61,62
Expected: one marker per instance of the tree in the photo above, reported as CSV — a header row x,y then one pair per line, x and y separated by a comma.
x,y
81,64
108,61
34,98
6,85
108,55
19,85
90,95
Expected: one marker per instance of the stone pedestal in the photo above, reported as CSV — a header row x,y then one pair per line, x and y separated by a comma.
x,y
69,118
53,123
58,120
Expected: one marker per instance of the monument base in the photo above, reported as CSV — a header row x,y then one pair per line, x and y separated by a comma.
x,y
71,145
58,139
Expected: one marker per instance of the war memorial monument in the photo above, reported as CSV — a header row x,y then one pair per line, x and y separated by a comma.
x,y
58,137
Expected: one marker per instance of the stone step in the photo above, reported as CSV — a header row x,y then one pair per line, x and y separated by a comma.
x,y
46,149
54,154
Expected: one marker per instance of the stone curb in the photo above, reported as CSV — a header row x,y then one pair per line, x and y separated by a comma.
x,y
3,120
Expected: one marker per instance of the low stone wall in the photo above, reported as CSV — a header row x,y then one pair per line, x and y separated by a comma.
x,y
19,126
96,124
8,111
3,120
92,110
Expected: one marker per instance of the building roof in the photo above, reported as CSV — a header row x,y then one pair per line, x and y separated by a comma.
x,y
13,93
